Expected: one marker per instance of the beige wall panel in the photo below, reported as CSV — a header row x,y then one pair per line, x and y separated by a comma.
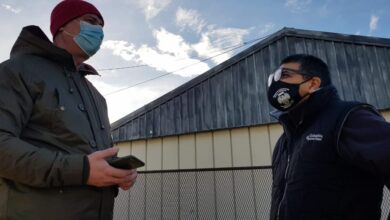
x,y
275,130
154,154
124,148
187,152
222,149
241,147
386,114
204,150
261,149
170,153
138,149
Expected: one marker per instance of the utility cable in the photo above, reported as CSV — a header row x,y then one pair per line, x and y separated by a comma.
x,y
184,67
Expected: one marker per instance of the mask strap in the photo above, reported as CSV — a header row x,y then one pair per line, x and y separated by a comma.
x,y
68,33
309,92
305,80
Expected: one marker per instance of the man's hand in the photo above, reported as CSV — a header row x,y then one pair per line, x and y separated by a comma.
x,y
101,174
129,184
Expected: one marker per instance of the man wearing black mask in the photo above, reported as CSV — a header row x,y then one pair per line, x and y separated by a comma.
x,y
333,159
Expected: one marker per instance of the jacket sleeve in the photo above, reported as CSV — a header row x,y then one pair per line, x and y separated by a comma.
x,y
365,142
23,162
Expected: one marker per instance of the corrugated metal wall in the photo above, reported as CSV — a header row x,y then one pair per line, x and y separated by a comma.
x,y
212,194
235,95
201,194
240,147
192,176
195,176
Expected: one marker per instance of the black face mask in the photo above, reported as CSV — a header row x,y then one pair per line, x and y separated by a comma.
x,y
284,96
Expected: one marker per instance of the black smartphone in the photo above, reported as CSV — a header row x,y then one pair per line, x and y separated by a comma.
x,y
126,162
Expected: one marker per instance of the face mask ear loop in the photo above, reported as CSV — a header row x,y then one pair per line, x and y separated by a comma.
x,y
314,90
306,80
307,94
69,34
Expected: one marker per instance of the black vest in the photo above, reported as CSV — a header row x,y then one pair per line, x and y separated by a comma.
x,y
310,179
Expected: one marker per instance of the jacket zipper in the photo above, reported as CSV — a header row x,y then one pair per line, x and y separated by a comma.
x,y
83,90
285,188
93,100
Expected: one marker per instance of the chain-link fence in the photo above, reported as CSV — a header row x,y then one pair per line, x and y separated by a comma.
x,y
240,193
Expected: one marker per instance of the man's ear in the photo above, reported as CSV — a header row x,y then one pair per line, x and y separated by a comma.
x,y
315,84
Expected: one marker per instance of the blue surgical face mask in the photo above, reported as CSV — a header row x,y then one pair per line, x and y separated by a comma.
x,y
90,37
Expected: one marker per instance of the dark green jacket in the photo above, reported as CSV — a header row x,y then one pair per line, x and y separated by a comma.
x,y
51,117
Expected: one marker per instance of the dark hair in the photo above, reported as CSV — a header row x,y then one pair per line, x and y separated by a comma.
x,y
311,65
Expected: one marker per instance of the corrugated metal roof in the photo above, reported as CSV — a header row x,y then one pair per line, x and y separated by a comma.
x,y
233,94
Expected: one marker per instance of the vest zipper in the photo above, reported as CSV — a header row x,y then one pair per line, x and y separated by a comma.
x,y
285,187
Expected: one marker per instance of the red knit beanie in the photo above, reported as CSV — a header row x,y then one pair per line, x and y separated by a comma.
x,y
68,10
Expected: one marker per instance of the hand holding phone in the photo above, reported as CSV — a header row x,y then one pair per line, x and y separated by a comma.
x,y
126,162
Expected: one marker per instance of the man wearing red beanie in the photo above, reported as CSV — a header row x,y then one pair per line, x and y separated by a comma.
x,y
54,131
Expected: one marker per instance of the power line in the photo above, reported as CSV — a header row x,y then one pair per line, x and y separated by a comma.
x,y
201,61
121,68
144,65
185,67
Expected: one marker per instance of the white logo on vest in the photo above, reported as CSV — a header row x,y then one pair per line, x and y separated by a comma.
x,y
314,137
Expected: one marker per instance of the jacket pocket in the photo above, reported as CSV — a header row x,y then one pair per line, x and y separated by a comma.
x,y
57,112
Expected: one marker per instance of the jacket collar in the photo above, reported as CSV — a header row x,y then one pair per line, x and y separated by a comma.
x,y
33,41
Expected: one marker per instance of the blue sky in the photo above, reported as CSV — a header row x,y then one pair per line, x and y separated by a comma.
x,y
163,36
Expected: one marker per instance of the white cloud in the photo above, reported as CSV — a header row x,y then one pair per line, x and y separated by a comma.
x,y
297,6
11,9
169,63
172,43
266,29
215,41
172,54
129,100
152,8
373,23
189,19
120,48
